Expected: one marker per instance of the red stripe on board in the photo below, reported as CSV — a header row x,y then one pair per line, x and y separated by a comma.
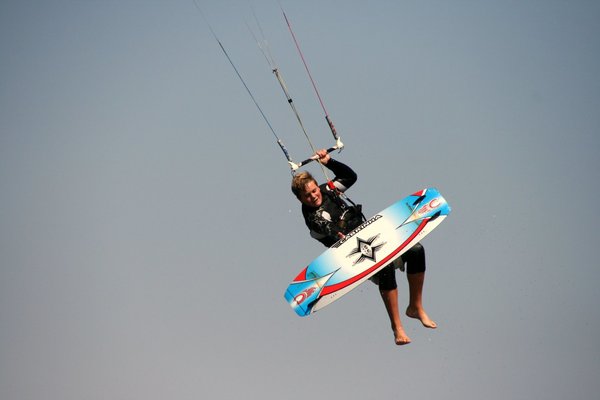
x,y
338,286
301,276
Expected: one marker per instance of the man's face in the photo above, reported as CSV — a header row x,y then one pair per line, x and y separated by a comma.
x,y
311,196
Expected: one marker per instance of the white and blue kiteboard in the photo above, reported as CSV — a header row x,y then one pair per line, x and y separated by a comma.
x,y
366,250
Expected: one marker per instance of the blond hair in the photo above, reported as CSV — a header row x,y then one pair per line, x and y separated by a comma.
x,y
299,182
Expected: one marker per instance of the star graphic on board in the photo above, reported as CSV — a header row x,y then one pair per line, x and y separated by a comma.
x,y
366,249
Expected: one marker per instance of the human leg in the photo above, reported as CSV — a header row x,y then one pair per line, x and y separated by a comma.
x,y
389,294
415,274
415,306
390,299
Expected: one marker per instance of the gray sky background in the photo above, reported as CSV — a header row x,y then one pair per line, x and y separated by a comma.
x,y
147,230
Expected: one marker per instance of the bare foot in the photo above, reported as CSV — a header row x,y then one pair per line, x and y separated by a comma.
x,y
422,316
400,337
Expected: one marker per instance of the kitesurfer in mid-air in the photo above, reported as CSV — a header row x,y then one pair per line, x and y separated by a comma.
x,y
329,218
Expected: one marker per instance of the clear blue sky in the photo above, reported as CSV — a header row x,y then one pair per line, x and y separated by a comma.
x,y
147,229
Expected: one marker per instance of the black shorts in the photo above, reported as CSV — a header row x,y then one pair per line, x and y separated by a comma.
x,y
415,263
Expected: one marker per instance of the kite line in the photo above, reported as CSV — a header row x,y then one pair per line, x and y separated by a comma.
x,y
263,45
279,141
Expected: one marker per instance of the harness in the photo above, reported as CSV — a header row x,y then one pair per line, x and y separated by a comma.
x,y
352,214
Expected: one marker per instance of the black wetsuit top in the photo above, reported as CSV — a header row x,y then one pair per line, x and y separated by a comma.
x,y
334,215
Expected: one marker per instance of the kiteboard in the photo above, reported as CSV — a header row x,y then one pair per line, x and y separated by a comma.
x,y
366,250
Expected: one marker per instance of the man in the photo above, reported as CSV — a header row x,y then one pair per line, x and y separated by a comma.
x,y
329,218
